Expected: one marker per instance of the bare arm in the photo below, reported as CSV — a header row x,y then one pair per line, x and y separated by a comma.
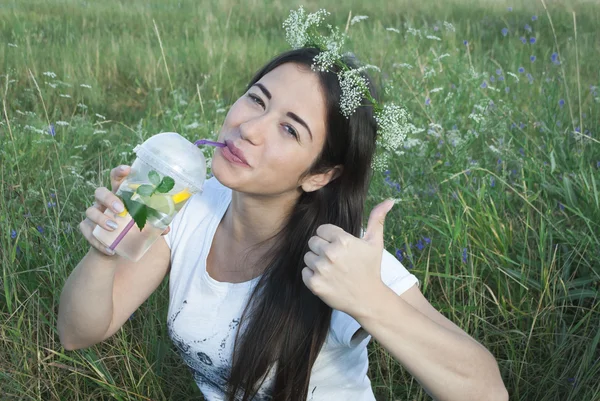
x,y
104,289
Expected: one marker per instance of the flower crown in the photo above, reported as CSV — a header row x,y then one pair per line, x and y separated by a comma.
x,y
392,120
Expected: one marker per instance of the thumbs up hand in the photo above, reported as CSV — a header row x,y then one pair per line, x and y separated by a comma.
x,y
345,271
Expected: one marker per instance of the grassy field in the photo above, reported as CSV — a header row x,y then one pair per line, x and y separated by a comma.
x,y
500,191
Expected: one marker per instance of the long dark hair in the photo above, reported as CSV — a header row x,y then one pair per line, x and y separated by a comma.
x,y
284,323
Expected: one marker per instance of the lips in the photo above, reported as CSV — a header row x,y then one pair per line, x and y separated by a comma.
x,y
236,151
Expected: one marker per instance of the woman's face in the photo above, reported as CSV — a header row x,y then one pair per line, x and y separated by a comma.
x,y
278,127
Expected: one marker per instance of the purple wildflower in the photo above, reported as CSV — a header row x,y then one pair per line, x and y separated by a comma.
x,y
523,40
577,129
465,42
420,245
51,204
527,28
561,206
51,130
499,161
501,78
492,79
522,152
554,58
427,102
13,234
530,77
399,255
484,85
504,31
387,172
436,28
40,229
492,182
598,164
534,18
559,123
52,195
561,102
532,58
572,380
521,70
509,8
427,240
131,317
464,255
532,40
498,71
507,89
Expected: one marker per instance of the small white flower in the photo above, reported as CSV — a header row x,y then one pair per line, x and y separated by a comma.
x,y
513,75
64,95
402,65
441,57
298,23
353,85
434,90
449,27
49,74
220,110
53,86
99,131
494,149
392,30
358,18
12,45
193,125
432,37
86,86
100,116
20,112
82,106
414,32
62,123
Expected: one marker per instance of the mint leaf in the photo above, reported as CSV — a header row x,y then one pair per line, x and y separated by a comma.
x,y
145,190
165,185
154,177
137,210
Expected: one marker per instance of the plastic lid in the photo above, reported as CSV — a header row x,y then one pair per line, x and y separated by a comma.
x,y
173,155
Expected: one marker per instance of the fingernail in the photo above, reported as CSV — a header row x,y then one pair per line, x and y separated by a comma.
x,y
122,168
110,251
118,206
112,224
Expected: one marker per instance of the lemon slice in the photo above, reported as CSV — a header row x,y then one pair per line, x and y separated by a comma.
x,y
123,213
133,186
162,203
181,196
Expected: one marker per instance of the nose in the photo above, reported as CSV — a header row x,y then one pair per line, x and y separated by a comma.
x,y
254,129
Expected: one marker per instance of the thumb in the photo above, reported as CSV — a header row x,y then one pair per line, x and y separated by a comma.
x,y
374,233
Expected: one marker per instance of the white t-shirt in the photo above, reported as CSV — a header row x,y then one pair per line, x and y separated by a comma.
x,y
204,313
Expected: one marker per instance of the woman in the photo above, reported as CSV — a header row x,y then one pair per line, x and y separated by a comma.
x,y
274,293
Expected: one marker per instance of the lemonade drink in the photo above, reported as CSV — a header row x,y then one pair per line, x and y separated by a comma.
x,y
167,172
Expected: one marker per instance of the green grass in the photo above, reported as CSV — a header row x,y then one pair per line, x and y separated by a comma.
x,y
514,250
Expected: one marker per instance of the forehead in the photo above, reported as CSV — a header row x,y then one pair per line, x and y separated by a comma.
x,y
297,89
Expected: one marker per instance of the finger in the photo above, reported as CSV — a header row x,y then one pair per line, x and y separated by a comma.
x,y
106,198
166,231
317,245
311,260
330,232
87,227
374,231
308,277
117,175
96,217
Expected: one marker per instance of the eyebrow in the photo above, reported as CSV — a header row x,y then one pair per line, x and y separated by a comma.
x,y
291,115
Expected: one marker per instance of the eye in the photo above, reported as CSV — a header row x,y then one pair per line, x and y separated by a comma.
x,y
256,99
291,130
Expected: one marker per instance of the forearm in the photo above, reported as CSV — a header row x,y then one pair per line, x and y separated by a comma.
x,y
449,365
86,302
